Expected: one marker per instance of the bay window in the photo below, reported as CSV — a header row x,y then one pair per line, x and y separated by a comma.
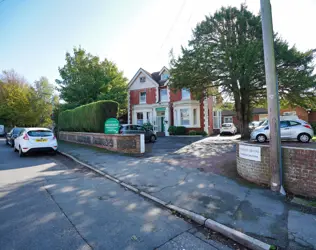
x,y
184,117
187,114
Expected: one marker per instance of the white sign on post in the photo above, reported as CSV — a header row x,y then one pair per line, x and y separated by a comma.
x,y
250,152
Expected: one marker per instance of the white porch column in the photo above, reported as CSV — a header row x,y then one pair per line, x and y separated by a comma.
x,y
167,121
155,120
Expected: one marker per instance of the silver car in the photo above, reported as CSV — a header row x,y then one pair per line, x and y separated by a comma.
x,y
290,130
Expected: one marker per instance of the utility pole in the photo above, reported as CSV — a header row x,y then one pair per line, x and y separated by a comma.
x,y
272,95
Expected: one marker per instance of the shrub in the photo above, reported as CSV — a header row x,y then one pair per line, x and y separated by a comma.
x,y
314,127
180,130
148,125
192,132
197,132
88,118
172,130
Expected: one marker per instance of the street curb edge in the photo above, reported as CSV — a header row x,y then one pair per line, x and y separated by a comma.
x,y
231,233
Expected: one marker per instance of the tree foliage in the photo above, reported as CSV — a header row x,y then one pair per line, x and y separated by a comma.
x,y
226,52
85,79
22,104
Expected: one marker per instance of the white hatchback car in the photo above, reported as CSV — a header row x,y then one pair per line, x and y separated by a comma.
x,y
289,129
228,128
35,140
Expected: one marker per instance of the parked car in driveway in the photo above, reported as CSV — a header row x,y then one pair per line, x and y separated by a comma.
x,y
10,137
150,135
35,140
289,129
2,132
228,128
255,124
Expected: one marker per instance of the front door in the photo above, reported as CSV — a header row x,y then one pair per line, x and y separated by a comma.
x,y
162,124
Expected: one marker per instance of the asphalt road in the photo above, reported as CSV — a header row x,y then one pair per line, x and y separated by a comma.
x,y
49,202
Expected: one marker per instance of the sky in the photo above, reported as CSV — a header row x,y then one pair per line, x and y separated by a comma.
x,y
36,34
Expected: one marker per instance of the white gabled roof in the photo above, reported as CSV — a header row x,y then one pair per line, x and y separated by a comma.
x,y
163,69
136,75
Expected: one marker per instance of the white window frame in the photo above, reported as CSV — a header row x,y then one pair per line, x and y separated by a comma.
x,y
217,119
139,119
142,79
147,113
166,96
140,97
188,94
231,119
195,121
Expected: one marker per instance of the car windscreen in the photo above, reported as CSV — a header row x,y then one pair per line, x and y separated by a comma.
x,y
16,131
226,125
40,133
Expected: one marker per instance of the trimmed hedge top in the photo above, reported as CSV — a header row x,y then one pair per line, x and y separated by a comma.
x,y
89,117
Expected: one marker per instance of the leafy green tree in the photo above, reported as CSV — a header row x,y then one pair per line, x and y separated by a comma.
x,y
226,52
22,104
85,78
43,101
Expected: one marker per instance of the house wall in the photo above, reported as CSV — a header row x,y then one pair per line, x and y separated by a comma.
x,y
300,112
175,95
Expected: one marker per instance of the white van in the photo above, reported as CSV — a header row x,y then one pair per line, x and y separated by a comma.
x,y
2,133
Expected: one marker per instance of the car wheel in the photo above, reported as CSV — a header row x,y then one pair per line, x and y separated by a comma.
x,y
21,154
12,144
152,138
261,138
304,137
7,142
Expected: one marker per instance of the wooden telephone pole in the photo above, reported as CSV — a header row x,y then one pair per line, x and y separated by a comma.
x,y
272,96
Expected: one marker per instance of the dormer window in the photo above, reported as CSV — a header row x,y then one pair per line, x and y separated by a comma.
x,y
164,76
142,79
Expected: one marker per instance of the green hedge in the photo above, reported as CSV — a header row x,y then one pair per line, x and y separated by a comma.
x,y
314,127
88,118
176,130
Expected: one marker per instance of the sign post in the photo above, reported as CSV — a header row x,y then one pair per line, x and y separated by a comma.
x,y
111,126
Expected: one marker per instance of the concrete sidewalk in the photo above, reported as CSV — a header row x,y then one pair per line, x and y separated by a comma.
x,y
252,210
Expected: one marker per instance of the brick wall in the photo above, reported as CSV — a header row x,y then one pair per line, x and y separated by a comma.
x,y
150,96
132,144
299,169
175,95
312,117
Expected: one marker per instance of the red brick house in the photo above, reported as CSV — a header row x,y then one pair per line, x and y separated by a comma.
x,y
151,100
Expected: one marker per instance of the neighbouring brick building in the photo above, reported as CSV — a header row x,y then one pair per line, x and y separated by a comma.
x,y
259,114
151,100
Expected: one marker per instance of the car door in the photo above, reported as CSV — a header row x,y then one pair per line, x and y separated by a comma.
x,y
17,139
285,129
295,129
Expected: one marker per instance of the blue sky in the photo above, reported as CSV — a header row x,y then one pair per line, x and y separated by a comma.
x,y
36,34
